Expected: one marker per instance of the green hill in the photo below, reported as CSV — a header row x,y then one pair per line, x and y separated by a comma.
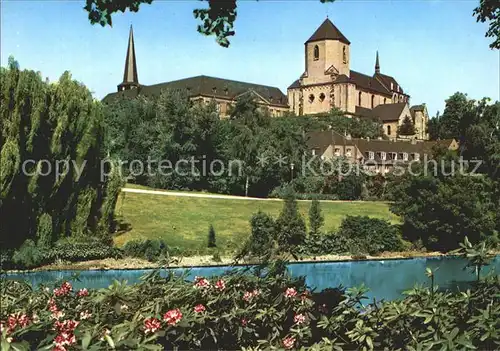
x,y
184,221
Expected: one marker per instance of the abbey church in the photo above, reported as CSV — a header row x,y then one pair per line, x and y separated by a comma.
x,y
326,83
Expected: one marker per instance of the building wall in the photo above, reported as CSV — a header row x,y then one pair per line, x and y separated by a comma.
x,y
331,53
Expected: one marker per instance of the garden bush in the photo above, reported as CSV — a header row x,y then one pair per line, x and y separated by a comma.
x,y
367,235
82,249
29,255
245,311
151,250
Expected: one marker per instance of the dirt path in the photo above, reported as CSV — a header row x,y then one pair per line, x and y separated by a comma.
x,y
211,196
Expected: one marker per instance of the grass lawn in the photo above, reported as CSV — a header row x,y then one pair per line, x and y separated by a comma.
x,y
184,221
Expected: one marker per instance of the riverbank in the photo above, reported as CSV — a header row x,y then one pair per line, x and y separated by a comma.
x,y
208,261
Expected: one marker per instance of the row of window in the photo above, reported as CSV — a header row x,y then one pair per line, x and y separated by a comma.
x,y
393,156
321,98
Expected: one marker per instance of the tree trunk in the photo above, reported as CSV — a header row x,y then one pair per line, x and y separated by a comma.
x,y
246,187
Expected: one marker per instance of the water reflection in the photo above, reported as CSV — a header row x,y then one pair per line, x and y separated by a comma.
x,y
386,279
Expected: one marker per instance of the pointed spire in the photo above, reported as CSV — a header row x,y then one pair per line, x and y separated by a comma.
x,y
130,78
377,64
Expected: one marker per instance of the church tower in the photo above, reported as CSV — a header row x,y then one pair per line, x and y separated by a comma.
x,y
327,54
130,79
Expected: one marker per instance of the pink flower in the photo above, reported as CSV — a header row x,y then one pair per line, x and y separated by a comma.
x,y
82,292
220,285
64,290
199,308
299,318
244,322
64,339
59,348
85,315
200,282
151,325
172,317
288,342
249,295
290,292
22,320
67,326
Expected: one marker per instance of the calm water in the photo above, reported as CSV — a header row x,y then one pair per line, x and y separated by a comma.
x,y
386,279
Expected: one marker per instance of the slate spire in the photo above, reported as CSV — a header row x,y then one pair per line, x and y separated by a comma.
x,y
130,79
377,64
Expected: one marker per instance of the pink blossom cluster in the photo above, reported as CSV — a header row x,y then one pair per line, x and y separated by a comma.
x,y
299,318
249,295
56,314
199,308
82,292
290,292
19,319
66,334
151,325
64,290
288,342
172,317
220,285
200,282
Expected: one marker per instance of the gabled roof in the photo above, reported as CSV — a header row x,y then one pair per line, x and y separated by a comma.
x,y
295,84
366,82
328,31
389,112
209,87
383,112
386,82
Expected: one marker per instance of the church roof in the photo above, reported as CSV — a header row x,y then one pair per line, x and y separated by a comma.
x,y
328,31
295,84
209,87
387,80
367,82
383,112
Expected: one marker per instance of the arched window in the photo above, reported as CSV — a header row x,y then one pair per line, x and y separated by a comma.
x,y
321,97
344,56
373,101
388,130
316,52
359,99
385,100
311,98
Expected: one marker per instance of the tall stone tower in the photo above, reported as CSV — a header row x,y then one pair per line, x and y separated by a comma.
x,y
327,54
130,79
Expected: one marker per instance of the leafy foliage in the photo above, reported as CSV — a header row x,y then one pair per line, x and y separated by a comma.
x,y
44,126
316,219
407,127
151,250
290,226
245,311
369,235
211,237
442,210
489,11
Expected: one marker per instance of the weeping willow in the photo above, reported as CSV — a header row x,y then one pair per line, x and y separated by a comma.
x,y
42,124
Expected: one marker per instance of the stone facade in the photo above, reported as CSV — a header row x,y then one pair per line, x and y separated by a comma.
x,y
328,82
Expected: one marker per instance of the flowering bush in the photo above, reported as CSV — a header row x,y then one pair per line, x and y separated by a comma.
x,y
243,312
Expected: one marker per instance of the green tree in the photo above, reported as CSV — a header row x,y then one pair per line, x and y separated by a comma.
x,y
407,127
316,218
45,126
489,11
290,226
442,210
211,237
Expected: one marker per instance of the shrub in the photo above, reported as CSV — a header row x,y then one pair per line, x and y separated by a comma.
x,y
369,235
81,249
290,226
151,250
316,218
211,237
29,255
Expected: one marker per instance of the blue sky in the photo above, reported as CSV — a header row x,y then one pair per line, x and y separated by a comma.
x,y
433,48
